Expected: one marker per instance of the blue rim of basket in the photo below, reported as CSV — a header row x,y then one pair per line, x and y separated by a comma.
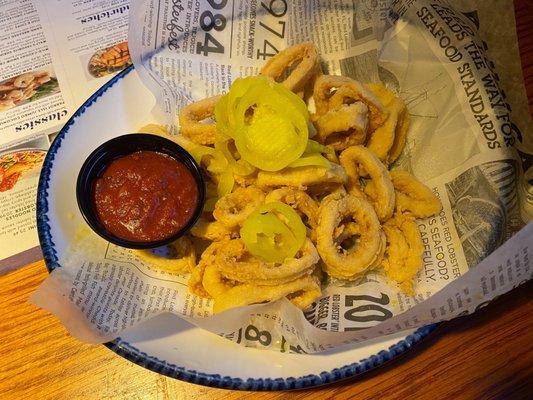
x,y
152,363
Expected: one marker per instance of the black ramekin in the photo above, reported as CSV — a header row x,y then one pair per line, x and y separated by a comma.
x,y
99,159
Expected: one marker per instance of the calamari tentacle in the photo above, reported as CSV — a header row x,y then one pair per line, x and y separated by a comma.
x,y
195,284
211,230
403,256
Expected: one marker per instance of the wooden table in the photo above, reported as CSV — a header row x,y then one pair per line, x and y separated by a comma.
x,y
486,355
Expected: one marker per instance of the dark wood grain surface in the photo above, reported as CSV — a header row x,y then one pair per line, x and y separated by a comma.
x,y
488,355
524,30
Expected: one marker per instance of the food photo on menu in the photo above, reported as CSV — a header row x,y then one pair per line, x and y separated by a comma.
x,y
19,173
26,87
109,60
315,186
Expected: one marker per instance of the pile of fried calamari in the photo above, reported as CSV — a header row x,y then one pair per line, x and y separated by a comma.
x,y
359,216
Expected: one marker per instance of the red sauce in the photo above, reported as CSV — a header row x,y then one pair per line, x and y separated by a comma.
x,y
145,196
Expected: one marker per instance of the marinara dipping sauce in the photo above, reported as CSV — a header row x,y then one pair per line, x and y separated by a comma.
x,y
145,196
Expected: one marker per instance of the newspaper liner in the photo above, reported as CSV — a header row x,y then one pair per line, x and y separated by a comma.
x,y
429,54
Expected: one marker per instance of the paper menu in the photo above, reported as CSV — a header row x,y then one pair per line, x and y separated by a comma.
x,y
53,56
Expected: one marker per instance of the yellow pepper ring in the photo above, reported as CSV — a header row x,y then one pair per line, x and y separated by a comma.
x,y
274,232
267,121
275,134
311,159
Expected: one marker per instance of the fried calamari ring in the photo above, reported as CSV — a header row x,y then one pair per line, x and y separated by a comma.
x,y
365,253
344,126
355,157
208,279
302,177
182,257
347,232
301,202
195,284
413,196
232,209
294,67
388,140
403,256
235,263
327,85
303,290
191,120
